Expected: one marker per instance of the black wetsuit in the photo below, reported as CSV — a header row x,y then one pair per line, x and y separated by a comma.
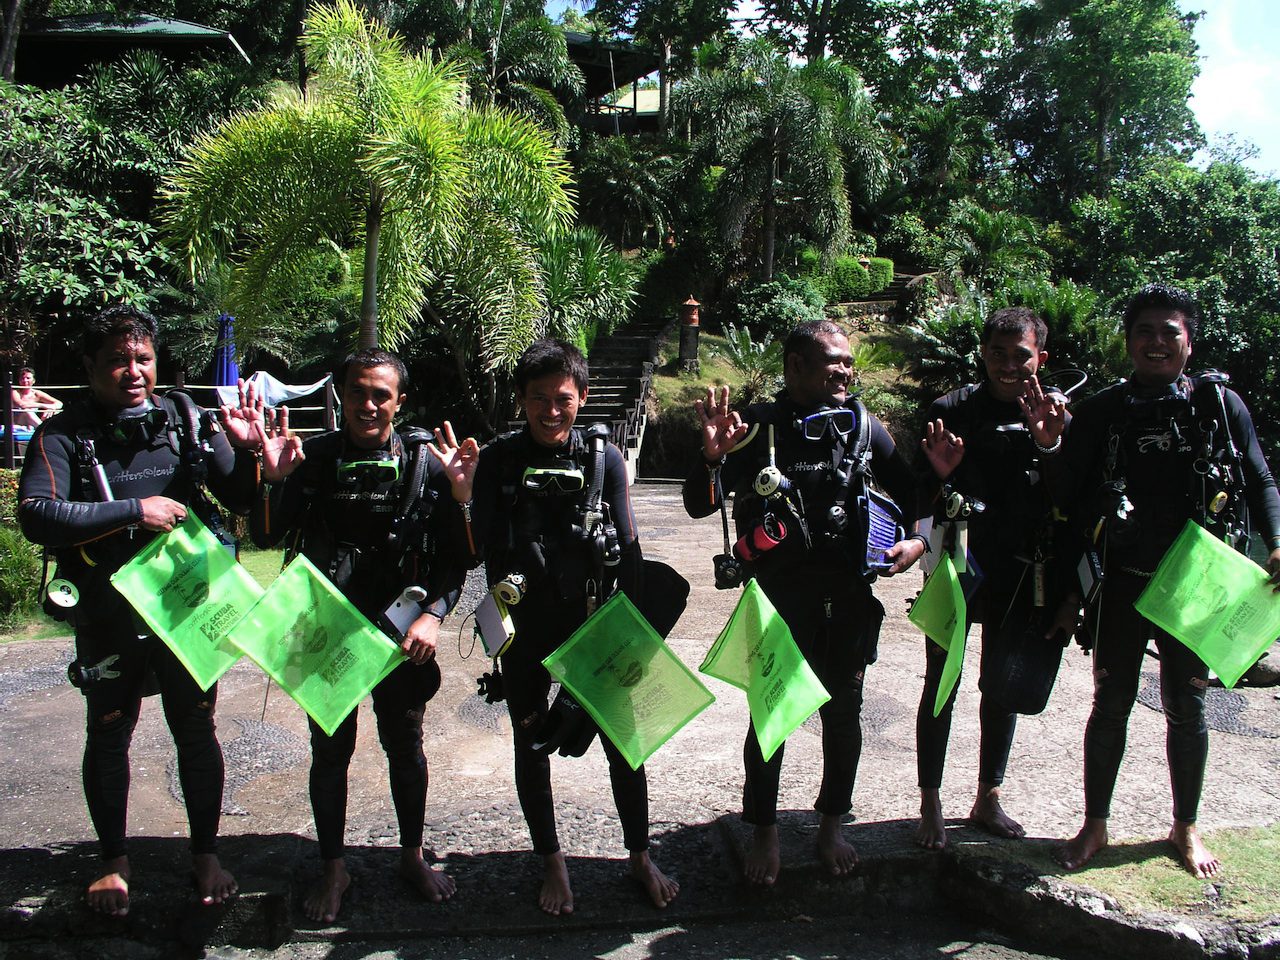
x,y
343,528
1156,436
820,592
1000,468
91,538
530,532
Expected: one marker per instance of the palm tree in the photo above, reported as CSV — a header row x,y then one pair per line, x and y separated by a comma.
x,y
381,155
991,247
512,53
626,187
793,142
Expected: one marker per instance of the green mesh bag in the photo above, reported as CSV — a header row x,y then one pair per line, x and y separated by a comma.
x,y
756,653
636,689
1214,600
940,612
310,640
190,591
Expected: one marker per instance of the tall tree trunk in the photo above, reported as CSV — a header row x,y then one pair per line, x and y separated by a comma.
x,y
369,295
815,40
1102,152
664,88
9,42
299,25
769,218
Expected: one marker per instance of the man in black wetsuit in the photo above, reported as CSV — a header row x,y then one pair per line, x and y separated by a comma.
x,y
1131,475
375,525
100,479
813,576
530,487
983,443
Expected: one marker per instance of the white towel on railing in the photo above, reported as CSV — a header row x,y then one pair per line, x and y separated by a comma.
x,y
271,390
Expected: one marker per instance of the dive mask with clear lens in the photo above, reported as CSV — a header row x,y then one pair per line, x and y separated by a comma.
x,y
563,479
839,422
369,471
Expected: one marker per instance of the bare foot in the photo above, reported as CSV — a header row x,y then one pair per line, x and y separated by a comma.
x,y
109,892
434,885
834,851
555,897
325,899
990,816
213,884
764,859
931,831
1195,855
660,888
1080,849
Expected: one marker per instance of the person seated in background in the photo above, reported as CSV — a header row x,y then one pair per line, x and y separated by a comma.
x,y
30,405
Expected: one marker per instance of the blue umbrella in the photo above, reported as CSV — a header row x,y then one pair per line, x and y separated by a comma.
x,y
225,369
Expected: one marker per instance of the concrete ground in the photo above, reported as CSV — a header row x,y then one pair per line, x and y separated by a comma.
x,y
477,832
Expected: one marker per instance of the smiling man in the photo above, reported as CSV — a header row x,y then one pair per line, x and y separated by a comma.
x,y
101,479
532,488
371,508
1142,458
797,466
983,444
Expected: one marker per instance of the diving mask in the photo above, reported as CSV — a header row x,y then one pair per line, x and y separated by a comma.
x,y
564,479
369,471
839,422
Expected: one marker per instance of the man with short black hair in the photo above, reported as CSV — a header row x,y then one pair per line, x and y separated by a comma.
x,y
807,554
530,489
371,509
1142,458
100,480
982,447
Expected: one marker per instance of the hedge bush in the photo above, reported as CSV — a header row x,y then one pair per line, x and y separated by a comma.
x,y
850,279
19,576
9,495
777,306
880,270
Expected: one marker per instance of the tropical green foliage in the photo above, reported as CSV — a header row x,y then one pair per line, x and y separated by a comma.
x,y
794,144
776,306
627,189
1092,88
19,575
512,56
991,247
880,273
759,362
589,288
944,345
445,203
65,246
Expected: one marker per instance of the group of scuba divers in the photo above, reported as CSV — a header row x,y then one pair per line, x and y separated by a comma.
x,y
1043,504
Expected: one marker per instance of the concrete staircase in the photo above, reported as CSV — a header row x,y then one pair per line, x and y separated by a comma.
x,y
622,364
881,302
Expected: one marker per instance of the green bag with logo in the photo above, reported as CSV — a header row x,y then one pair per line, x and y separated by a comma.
x,y
756,653
1216,601
941,613
631,683
190,591
310,640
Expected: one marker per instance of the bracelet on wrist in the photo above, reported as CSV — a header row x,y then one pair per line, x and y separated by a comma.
x,y
1057,445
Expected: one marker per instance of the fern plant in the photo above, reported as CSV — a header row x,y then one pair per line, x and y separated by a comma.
x,y
759,361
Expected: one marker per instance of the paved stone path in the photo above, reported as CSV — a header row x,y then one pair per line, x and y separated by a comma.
x,y
474,822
